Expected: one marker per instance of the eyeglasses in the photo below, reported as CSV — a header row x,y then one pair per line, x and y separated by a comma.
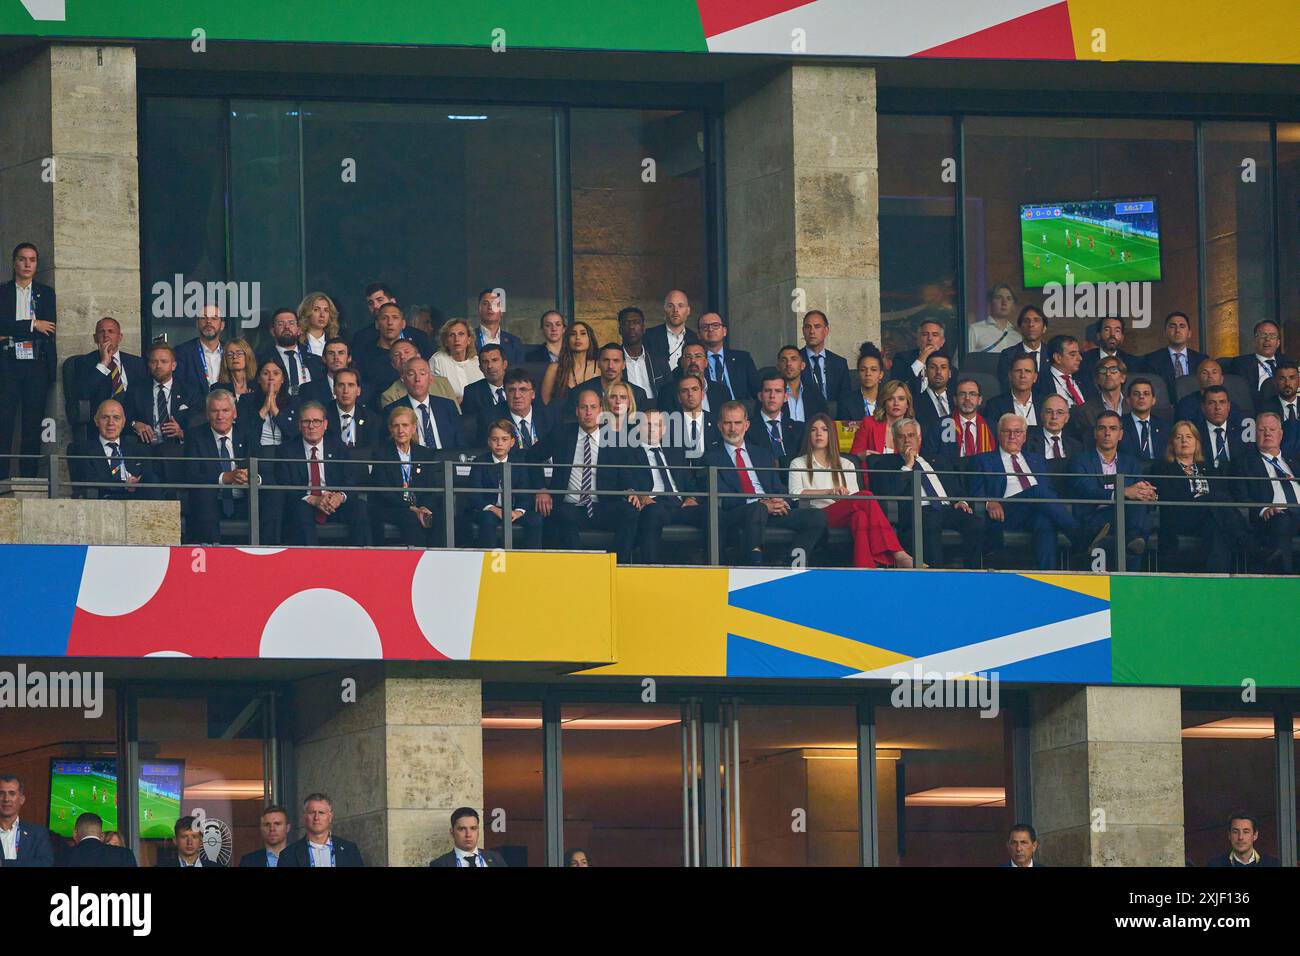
x,y
311,421
710,326
1108,370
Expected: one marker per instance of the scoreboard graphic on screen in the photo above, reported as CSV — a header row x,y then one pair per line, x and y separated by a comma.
x,y
1101,240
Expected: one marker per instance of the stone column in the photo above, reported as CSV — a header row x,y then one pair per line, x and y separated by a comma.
x,y
69,182
802,203
1107,770
395,761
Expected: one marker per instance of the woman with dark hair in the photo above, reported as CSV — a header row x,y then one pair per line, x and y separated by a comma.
x,y
830,482
875,434
1183,475
269,414
577,363
576,857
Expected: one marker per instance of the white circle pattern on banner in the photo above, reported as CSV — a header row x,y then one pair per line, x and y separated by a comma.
x,y
117,581
321,623
444,598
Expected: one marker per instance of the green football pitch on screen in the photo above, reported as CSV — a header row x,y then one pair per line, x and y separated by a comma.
x,y
71,795
1092,254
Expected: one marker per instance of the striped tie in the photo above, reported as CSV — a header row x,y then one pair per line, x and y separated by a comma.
x,y
115,373
585,499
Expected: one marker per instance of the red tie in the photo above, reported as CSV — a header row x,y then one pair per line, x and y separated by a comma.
x,y
316,484
746,485
1020,473
968,444
1056,447
1074,392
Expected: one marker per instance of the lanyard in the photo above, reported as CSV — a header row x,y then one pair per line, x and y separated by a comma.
x,y
1005,333
311,857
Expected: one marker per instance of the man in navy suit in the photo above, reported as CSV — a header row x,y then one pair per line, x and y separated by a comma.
x,y
355,425
198,360
612,371
824,371
1062,378
300,365
1096,481
465,850
772,428
311,467
1221,431
1274,504
1110,332
104,373
713,395
909,366
115,460
160,411
275,837
91,850
21,843
319,846
1022,844
802,401
665,342
28,359
485,399
216,457
491,318
370,345
641,366
1177,358
1286,387
533,421
698,428
1260,366
1188,408
661,487
749,468
933,394
336,356
733,369
439,419
1013,476
1033,328
1146,436
1022,398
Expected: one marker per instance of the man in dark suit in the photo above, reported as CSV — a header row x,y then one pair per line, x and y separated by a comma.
x,y
440,426
712,396
1146,436
1022,397
1022,844
824,371
1052,441
909,366
311,466
1033,330
1188,408
160,411
661,486
336,356
115,459
698,428
1274,503
1110,332
1062,378
641,367
1109,376
665,342
1243,831
319,846
611,372
1096,481
1257,368
370,344
28,359
21,843
1221,433
106,372
533,421
91,850
300,366
803,403
187,836
490,331
1284,401
356,426
198,360
749,468
485,399
772,428
465,850
933,394
216,457
892,475
487,508
1177,358
733,369
275,837
1013,475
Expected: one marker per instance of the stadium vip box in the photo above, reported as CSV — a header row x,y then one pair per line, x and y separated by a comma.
x,y
75,690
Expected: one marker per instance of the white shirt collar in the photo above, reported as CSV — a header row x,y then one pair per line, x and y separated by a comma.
x,y
319,446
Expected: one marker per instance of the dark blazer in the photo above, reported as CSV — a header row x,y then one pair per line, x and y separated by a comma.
x,y
485,474
1007,356
183,404
426,475
295,472
852,406
190,367
312,363
254,859
250,422
1091,483
1092,358
901,369
96,853
715,396
34,847
838,378
366,425
94,467
741,372
542,420
91,385
770,475
1271,404
445,415
1237,449
538,353
1173,485
346,853
1256,494
1004,404
511,345
658,369
792,433
926,413
320,390
43,304
478,401
560,446
813,402
643,401
1160,429
1226,861
1159,363
448,859
203,444
987,479
886,477
1247,366
656,341
641,479
1036,444
367,337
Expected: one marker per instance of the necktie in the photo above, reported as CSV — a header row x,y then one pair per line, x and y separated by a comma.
x,y
1020,473
1272,367
695,433
472,860
774,432
1056,447
1222,454
292,358
160,407
818,376
1037,367
746,485
426,428
716,371
665,476
1290,413
585,499
927,486
968,441
115,460
1146,438
1074,392
525,434
942,401
1180,365
227,464
345,420
316,483
115,373
501,396
1288,489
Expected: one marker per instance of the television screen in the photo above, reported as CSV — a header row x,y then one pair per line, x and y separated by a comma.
x,y
82,786
161,784
1095,240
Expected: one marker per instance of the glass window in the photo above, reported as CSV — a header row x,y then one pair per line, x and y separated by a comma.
x,y
1288,253
1078,166
513,795
918,228
638,229
1229,766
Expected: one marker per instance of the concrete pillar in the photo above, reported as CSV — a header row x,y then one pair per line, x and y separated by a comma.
x,y
69,115
1107,769
26,520
802,204
395,762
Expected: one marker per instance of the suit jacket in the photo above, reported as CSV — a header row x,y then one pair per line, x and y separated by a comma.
x,y
203,444
770,475
184,405
1007,356
94,467
792,433
1160,429
641,479
1036,444
852,406
1159,363
1237,449
537,353
1256,494
643,401
43,304
1271,404
448,859
445,415
250,422
1247,366
367,428
839,380
741,372
346,853
926,413
658,370
988,479
426,475
561,446
479,401
191,370
312,363
511,346
96,853
484,473
541,421
715,396
1096,485
902,368
656,341
293,471
91,385
886,477
34,846
813,402
1092,358
254,859
1004,404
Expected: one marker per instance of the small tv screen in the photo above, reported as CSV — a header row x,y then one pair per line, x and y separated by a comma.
x,y
82,786
161,784
1090,241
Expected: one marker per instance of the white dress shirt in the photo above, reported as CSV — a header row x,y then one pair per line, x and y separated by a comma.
x,y
1279,475
316,346
166,389
291,357
1290,410
1013,480
1261,366
1058,382
469,858
121,367
320,458
211,361
638,371
419,420
9,840
591,439
230,445
675,342
103,444
1180,361
1026,411
655,468
939,489
731,451
348,424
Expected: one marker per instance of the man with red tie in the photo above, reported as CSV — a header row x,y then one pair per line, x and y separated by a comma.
x,y
964,433
313,467
1065,358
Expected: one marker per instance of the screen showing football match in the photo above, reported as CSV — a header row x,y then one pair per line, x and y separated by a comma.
x,y
82,786
160,797
1100,240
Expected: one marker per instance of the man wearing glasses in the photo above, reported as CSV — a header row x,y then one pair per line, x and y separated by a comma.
x,y
1259,367
313,467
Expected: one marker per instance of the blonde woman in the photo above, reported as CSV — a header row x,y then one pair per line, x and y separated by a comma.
x,y
875,434
318,318
457,360
238,368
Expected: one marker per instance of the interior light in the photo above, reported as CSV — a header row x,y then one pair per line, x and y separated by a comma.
x,y
958,797
464,116
580,723
1236,728
226,790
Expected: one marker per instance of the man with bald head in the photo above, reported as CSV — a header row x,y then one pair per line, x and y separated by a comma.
x,y
438,418
1188,408
107,372
665,342
113,456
